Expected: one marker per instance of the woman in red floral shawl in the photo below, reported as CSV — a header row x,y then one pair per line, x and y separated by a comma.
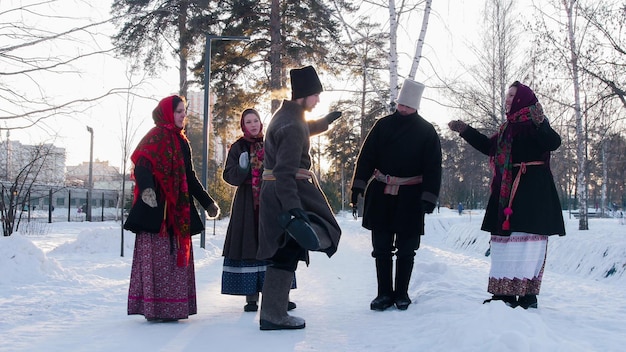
x,y
524,207
242,273
164,217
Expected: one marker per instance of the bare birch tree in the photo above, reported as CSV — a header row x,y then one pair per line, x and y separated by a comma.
x,y
22,178
569,7
420,41
39,46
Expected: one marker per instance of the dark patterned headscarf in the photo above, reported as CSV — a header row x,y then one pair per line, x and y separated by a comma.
x,y
161,147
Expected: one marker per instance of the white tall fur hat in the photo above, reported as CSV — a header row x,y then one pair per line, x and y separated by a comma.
x,y
411,94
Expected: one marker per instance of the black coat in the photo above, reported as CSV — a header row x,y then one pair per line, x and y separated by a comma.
x,y
242,236
401,146
536,206
143,218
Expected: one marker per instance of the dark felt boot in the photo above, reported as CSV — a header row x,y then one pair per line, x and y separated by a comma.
x,y
384,299
528,301
510,301
404,268
251,303
275,299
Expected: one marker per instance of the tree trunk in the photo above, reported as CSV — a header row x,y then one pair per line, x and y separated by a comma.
x,y
393,54
580,136
276,67
420,41
605,176
183,47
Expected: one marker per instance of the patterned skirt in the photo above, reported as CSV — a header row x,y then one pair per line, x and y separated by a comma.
x,y
159,289
244,277
517,264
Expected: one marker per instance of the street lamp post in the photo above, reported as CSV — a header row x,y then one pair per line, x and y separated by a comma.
x,y
207,109
90,186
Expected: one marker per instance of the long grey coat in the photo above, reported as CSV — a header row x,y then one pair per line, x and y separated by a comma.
x,y
287,150
242,238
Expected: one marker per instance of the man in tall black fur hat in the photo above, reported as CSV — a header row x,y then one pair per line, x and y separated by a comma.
x,y
294,214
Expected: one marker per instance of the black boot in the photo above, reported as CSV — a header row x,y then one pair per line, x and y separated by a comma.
x,y
404,268
251,303
384,299
510,301
528,301
275,299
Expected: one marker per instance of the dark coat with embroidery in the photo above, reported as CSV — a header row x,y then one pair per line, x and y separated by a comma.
x,y
536,206
242,237
143,218
401,146
287,150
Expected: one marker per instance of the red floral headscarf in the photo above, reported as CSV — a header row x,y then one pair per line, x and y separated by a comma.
x,y
161,147
257,153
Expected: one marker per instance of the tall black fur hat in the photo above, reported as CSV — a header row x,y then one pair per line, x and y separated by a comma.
x,y
304,82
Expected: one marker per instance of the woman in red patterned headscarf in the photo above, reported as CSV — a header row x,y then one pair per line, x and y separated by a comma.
x,y
164,217
524,207
242,273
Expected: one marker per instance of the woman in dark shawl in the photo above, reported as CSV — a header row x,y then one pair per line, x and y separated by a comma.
x,y
524,207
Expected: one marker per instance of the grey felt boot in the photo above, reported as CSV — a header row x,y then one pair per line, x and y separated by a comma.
x,y
275,298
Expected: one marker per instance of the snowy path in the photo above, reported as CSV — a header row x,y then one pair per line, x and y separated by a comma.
x,y
81,306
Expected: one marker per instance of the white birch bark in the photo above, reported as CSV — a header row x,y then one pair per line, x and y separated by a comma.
x,y
420,42
393,53
605,176
581,155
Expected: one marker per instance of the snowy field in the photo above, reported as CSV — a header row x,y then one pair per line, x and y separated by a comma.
x,y
63,287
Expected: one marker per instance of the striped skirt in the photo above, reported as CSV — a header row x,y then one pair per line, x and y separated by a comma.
x,y
159,289
517,264
244,277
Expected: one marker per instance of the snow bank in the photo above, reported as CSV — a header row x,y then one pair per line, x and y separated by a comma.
x,y
23,262
598,254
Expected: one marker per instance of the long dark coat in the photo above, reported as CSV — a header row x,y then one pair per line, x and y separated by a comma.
x,y
143,218
242,238
287,150
536,206
401,146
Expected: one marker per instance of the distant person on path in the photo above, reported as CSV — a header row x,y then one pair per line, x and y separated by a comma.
x,y
242,273
460,207
164,217
399,172
295,216
524,207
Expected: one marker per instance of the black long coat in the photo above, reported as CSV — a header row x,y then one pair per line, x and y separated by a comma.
x,y
143,218
287,150
401,146
536,206
242,237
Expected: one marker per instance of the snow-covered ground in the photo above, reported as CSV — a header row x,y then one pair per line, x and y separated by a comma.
x,y
63,287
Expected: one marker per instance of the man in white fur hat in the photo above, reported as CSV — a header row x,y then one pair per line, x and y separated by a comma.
x,y
399,172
